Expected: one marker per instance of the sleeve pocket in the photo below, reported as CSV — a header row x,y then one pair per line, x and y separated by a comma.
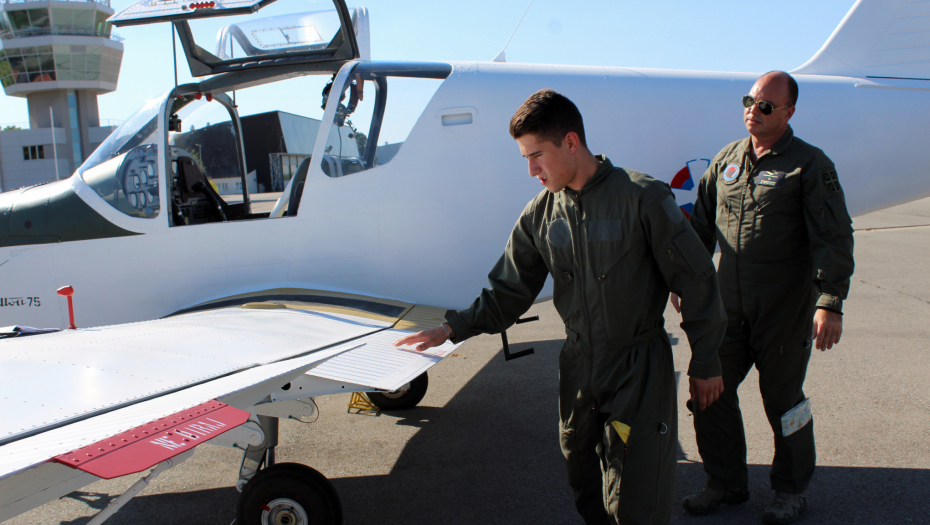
x,y
691,252
838,218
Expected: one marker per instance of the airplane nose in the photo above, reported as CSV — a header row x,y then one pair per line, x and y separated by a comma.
x,y
48,214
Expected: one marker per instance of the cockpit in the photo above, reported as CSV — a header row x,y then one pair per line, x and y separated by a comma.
x,y
240,144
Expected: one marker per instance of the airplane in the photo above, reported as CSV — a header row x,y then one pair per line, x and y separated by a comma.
x,y
147,238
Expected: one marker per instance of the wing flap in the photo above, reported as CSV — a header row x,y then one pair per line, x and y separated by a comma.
x,y
379,364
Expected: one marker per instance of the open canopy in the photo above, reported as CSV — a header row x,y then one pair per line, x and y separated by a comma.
x,y
330,35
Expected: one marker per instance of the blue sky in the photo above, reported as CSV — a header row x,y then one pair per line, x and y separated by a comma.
x,y
722,35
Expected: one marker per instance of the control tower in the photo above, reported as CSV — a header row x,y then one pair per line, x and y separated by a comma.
x,y
57,54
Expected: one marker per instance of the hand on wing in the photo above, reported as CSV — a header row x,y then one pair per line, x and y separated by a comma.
x,y
425,339
828,327
675,303
705,391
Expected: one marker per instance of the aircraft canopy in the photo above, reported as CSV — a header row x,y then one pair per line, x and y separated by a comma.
x,y
329,34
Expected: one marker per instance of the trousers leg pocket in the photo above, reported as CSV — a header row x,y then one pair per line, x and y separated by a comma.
x,y
612,452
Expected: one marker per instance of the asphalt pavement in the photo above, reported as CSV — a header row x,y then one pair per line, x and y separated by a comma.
x,y
482,447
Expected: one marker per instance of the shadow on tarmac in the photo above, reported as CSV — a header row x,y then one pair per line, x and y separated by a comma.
x,y
491,456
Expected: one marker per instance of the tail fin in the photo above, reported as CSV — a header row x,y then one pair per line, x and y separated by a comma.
x,y
877,38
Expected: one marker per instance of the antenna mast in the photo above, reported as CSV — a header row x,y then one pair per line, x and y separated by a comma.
x,y
501,57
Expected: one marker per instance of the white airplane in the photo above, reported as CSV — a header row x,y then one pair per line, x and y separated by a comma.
x,y
357,237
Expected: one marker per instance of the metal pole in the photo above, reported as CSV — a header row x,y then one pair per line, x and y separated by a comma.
x,y
51,115
174,57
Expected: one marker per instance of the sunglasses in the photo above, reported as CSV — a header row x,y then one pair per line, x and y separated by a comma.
x,y
765,107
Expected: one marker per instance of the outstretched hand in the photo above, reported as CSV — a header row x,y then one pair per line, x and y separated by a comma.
x,y
828,327
705,391
425,339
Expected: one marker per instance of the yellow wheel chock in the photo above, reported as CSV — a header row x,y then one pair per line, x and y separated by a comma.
x,y
359,401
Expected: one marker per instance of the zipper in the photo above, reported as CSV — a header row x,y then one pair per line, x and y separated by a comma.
x,y
579,212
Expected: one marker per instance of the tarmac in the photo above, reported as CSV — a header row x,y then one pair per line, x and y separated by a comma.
x,y
482,447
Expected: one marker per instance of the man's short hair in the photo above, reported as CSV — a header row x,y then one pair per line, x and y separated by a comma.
x,y
548,115
792,86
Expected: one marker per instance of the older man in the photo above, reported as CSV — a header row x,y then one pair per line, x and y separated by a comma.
x,y
775,206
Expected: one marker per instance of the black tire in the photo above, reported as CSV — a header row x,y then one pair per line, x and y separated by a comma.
x,y
402,400
286,489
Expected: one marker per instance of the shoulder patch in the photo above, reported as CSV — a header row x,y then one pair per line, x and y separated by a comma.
x,y
831,181
672,210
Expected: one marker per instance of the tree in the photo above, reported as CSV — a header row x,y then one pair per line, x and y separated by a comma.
x,y
361,140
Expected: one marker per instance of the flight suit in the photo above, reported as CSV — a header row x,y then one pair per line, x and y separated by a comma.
x,y
614,249
786,247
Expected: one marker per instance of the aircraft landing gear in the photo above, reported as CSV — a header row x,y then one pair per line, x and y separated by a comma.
x,y
289,494
406,397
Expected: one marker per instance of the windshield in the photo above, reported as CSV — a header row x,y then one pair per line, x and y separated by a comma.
x,y
137,129
128,182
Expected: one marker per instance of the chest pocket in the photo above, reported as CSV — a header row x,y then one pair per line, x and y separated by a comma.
x,y
608,243
771,186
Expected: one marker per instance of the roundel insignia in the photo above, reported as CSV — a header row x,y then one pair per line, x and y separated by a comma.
x,y
731,173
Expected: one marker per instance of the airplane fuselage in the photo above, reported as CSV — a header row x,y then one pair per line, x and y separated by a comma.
x,y
427,226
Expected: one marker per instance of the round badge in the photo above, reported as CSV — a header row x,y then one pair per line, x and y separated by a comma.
x,y
731,173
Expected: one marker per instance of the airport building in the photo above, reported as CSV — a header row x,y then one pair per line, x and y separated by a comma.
x,y
59,55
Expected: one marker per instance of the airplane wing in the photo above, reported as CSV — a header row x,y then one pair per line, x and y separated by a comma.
x,y
69,396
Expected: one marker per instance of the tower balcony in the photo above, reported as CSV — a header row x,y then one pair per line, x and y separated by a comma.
x,y
57,44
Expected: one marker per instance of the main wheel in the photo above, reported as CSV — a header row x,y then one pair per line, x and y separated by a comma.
x,y
289,494
406,397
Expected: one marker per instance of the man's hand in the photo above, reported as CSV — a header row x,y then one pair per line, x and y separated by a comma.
x,y
705,391
828,327
675,303
426,338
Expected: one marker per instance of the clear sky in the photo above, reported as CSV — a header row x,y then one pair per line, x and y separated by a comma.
x,y
722,35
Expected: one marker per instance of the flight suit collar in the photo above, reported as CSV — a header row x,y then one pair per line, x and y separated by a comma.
x,y
603,169
777,149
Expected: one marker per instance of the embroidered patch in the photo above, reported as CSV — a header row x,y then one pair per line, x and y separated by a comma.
x,y
773,179
731,173
831,181
560,234
672,210
606,230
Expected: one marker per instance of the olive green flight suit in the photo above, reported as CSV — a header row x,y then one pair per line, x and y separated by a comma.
x,y
786,247
614,250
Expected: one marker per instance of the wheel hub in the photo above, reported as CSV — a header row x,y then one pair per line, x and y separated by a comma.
x,y
284,511
397,393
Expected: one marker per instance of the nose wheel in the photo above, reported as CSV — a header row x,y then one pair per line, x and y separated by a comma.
x,y
289,494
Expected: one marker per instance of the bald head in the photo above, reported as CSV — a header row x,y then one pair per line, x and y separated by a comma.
x,y
778,89
783,84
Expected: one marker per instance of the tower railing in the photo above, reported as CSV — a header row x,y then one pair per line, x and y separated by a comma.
x,y
10,34
103,2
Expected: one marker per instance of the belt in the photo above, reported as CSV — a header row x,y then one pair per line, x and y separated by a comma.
x,y
648,335
805,257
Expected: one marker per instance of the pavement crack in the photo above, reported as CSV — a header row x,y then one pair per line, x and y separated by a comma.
x,y
887,228
921,299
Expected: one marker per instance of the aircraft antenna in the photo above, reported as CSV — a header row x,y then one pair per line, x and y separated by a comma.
x,y
501,57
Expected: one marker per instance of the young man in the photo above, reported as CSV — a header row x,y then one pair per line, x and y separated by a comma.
x,y
775,206
615,243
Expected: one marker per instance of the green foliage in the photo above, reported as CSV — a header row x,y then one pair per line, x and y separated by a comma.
x,y
361,140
